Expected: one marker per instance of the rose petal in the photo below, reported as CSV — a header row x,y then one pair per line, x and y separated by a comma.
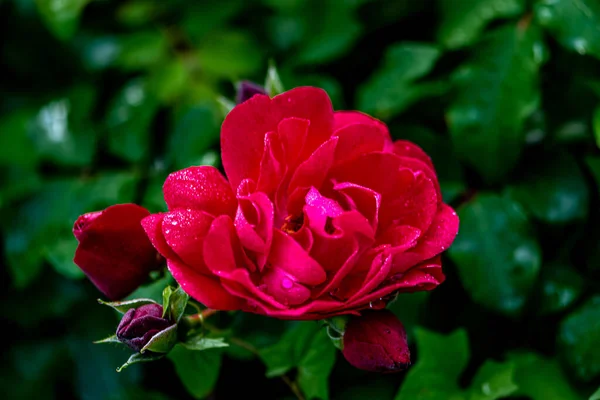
x,y
291,257
254,224
205,289
345,118
438,238
184,232
222,249
284,287
292,134
358,139
245,126
362,199
152,225
200,188
404,148
271,166
313,171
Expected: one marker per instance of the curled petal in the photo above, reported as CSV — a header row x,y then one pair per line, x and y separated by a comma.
x,y
404,148
208,290
291,258
184,232
313,171
345,118
222,249
358,139
438,238
284,287
199,188
245,126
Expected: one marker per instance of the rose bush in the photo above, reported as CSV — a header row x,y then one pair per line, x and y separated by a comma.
x,y
321,213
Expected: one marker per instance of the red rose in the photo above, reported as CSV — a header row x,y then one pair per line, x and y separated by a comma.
x,y
376,341
322,213
113,251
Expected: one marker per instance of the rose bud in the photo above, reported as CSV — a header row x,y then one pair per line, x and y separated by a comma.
x,y
114,251
139,325
376,341
247,89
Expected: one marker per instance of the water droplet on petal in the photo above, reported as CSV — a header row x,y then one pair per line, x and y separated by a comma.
x,y
287,283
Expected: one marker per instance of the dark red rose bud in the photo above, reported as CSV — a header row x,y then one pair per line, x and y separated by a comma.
x,y
114,251
139,325
376,341
247,89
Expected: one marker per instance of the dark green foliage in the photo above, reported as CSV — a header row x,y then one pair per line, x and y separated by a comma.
x,y
100,100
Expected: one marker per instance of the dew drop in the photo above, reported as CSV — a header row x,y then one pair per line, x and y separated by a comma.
x,y
287,283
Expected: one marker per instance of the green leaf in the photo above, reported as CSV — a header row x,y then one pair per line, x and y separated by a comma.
x,y
61,16
16,146
552,189
166,300
391,89
495,92
128,121
126,305
198,370
61,130
540,378
497,256
316,365
199,342
193,134
560,287
162,342
593,164
332,29
579,340
595,395
464,21
168,80
140,358
230,54
434,377
493,381
596,125
153,290
141,50
575,23
60,256
289,351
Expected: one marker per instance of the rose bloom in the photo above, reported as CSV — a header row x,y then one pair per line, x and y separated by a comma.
x,y
321,213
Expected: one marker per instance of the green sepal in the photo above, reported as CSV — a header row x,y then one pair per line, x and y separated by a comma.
x,y
175,304
336,337
166,295
110,339
139,358
163,341
273,84
124,306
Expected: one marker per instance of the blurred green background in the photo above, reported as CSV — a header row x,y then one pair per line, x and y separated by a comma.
x,y
101,99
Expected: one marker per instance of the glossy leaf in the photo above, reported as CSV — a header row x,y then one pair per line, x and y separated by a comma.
x,y
230,55
194,132
560,287
579,340
493,381
199,342
496,90
61,16
498,257
198,370
575,23
463,22
162,342
596,125
392,88
137,358
315,366
552,189
541,378
128,121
